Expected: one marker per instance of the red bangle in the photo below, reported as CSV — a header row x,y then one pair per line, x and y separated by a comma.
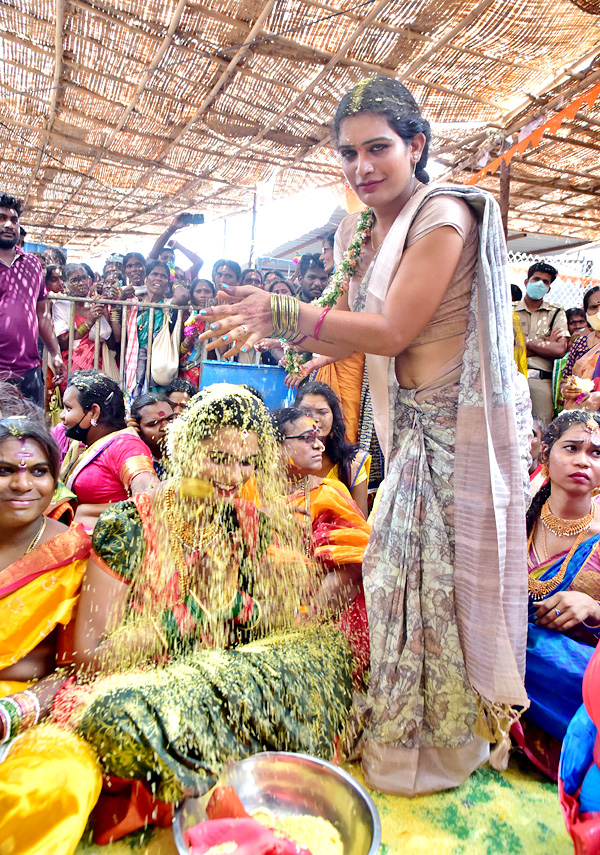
x,y
322,317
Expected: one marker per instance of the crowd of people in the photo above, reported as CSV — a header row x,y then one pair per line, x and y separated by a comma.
x,y
369,562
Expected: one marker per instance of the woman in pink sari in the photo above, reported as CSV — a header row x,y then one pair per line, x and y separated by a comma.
x,y
583,361
117,463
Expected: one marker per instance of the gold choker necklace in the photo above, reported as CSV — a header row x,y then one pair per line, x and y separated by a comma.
x,y
566,528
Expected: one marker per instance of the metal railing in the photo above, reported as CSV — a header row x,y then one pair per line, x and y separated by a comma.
x,y
120,354
126,307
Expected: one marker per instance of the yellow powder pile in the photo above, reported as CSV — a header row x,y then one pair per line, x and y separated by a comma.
x,y
311,832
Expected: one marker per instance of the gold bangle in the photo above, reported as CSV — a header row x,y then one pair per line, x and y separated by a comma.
x,y
285,312
83,328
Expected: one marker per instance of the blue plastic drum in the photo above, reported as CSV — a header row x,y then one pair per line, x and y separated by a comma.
x,y
266,379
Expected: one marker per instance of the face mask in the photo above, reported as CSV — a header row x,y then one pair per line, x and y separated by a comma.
x,y
594,321
536,290
77,432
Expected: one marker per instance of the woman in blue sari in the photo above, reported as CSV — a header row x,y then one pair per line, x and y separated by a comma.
x,y
563,525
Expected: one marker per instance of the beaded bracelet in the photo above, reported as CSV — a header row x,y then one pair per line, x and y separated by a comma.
x,y
319,324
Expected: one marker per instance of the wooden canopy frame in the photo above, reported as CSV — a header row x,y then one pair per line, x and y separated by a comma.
x,y
114,117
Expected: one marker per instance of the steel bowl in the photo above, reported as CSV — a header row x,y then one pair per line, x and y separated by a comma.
x,y
291,784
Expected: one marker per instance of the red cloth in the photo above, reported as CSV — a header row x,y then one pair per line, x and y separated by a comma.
x,y
250,837
125,806
584,828
225,803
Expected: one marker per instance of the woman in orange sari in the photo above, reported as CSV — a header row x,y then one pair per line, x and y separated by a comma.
x,y
42,563
338,534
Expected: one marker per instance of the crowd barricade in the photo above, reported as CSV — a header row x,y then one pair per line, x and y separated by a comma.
x,y
126,307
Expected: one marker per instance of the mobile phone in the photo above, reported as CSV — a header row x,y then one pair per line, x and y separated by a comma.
x,y
192,219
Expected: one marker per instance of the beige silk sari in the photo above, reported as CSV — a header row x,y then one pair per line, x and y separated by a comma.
x,y
445,572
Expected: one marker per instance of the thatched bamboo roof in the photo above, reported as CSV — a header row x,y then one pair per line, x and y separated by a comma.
x,y
113,118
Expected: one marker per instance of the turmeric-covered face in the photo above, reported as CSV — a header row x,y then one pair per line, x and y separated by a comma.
x,y
227,459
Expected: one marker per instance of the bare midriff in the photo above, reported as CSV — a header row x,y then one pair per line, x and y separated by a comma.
x,y
87,514
37,664
417,365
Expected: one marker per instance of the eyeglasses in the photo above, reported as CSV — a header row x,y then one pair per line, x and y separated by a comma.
x,y
78,280
309,438
252,280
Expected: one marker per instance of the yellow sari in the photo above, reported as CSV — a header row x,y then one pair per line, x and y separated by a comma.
x,y
49,779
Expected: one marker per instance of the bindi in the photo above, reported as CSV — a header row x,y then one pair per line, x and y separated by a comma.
x,y
23,455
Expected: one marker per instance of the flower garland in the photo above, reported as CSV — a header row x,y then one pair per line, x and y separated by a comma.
x,y
338,284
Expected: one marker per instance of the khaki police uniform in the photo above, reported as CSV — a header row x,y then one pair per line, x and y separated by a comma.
x,y
538,326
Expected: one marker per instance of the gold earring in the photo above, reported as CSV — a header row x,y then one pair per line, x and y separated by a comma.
x,y
544,470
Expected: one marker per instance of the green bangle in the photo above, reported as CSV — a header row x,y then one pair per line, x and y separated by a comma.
x,y
11,707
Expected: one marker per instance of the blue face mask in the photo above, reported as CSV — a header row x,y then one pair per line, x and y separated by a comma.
x,y
537,290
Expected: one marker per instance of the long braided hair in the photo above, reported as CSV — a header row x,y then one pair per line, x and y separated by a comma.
x,y
554,431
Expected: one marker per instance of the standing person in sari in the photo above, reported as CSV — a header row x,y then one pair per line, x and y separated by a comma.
x,y
86,318
445,570
577,326
139,333
583,361
42,564
115,463
563,525
192,353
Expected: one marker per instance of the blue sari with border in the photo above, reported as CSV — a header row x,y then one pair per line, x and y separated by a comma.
x,y
556,663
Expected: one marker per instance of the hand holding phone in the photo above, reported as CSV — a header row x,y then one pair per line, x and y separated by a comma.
x,y
191,219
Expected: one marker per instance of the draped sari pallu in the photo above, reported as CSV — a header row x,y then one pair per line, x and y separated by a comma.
x,y
340,535
38,593
556,662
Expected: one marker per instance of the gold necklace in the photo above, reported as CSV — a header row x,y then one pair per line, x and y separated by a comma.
x,y
193,538
373,247
540,590
308,533
566,528
38,537
188,535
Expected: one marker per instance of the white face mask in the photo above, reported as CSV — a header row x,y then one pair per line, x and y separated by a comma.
x,y
594,321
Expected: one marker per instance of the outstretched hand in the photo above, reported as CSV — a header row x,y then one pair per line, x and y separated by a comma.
x,y
242,317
